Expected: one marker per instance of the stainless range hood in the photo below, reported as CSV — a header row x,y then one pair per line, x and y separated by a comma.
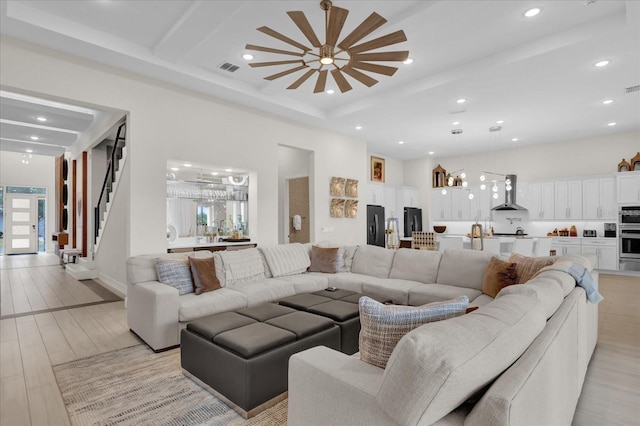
x,y
510,196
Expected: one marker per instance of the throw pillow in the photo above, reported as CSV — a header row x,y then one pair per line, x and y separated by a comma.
x,y
527,267
175,273
327,259
204,274
382,326
498,275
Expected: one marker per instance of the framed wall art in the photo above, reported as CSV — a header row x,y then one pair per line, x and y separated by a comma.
x,y
377,169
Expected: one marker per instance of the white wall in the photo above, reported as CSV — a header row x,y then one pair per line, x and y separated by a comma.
x,y
40,172
172,123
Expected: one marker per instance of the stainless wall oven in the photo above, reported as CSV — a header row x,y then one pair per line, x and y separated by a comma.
x,y
629,236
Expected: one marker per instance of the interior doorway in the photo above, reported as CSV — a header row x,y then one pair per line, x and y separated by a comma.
x,y
299,226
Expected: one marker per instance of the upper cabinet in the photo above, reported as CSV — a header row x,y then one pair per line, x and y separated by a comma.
x,y
568,200
540,201
598,198
628,185
442,205
375,193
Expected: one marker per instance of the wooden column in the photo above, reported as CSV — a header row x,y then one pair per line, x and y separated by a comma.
x,y
85,201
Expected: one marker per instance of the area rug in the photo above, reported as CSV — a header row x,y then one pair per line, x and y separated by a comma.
x,y
135,386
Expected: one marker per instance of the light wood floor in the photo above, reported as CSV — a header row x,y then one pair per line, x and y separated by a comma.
x,y
31,343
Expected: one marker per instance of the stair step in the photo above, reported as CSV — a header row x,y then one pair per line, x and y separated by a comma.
x,y
86,263
80,273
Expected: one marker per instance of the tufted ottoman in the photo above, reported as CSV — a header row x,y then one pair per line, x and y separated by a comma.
x,y
243,356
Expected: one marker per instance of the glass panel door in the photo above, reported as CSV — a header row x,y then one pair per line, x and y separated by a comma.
x,y
21,223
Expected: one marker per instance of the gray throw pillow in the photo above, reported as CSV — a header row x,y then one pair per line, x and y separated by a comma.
x,y
175,273
382,326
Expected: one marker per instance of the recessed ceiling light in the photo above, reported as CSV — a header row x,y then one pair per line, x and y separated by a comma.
x,y
358,127
461,100
407,61
43,119
228,170
514,140
247,56
603,63
455,123
431,152
215,173
34,138
612,124
532,12
401,142
330,92
187,164
500,122
174,169
608,101
29,151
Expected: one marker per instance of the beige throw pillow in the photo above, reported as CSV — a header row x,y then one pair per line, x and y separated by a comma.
x,y
327,259
499,274
382,326
527,267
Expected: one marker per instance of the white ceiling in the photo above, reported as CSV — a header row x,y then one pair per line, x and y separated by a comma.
x,y
537,74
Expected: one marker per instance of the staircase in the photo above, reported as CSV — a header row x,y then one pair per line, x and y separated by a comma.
x,y
110,185
83,270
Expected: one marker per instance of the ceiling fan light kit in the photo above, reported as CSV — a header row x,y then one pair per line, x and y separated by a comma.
x,y
338,58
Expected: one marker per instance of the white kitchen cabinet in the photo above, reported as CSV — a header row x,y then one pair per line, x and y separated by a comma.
x,y
460,204
480,206
568,200
375,194
442,204
598,198
540,201
628,186
605,251
500,199
390,204
566,245
407,197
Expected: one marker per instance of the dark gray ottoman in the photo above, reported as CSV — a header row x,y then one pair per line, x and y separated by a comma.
x,y
347,316
243,356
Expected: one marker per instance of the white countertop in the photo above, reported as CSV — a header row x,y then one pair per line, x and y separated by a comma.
x,y
185,244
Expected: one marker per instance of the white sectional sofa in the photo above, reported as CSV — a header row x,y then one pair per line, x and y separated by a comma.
x,y
528,348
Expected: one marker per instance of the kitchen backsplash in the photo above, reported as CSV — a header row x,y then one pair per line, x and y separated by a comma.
x,y
532,228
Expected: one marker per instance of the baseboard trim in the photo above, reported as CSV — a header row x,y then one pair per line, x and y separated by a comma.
x,y
114,286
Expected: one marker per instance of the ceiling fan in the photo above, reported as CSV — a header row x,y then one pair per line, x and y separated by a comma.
x,y
345,57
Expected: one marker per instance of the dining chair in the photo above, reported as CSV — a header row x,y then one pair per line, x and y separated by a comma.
x,y
543,247
492,245
423,240
450,243
523,246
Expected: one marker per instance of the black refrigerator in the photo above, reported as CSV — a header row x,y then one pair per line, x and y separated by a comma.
x,y
375,225
412,220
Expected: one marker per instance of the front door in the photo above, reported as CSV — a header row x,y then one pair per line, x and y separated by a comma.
x,y
21,223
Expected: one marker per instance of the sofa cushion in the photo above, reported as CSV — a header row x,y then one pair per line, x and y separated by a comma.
x,y
435,368
327,259
416,265
193,306
373,260
547,291
241,266
175,273
499,274
203,272
286,259
562,279
397,291
463,268
528,267
384,325
265,290
308,282
346,280
349,252
141,269
429,293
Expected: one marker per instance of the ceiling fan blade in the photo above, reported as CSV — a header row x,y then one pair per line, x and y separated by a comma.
x,y
388,40
337,16
321,82
268,64
342,82
361,77
284,38
378,69
302,79
369,25
382,56
271,50
301,21
287,72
